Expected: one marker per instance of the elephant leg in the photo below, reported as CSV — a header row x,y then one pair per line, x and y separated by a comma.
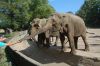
x,y
56,41
62,39
51,38
39,40
85,42
43,39
75,41
47,39
47,42
71,43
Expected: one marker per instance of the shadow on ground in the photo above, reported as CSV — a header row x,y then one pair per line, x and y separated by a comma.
x,y
96,36
53,55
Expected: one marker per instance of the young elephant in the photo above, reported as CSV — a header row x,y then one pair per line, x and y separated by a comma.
x,y
42,36
36,25
45,36
73,27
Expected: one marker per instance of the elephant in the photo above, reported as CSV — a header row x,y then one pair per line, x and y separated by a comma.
x,y
45,36
73,27
42,36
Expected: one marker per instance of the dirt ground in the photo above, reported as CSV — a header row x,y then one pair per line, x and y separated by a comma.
x,y
53,56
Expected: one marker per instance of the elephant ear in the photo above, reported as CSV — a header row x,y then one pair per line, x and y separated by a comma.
x,y
64,16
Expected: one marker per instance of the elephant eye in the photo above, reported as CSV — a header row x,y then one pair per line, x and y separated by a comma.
x,y
36,25
64,16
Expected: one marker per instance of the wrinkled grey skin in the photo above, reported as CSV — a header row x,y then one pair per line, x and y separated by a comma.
x,y
73,27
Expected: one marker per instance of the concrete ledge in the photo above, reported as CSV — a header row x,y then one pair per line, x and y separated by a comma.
x,y
18,59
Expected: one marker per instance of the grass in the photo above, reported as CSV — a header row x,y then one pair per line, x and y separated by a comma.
x,y
10,35
3,58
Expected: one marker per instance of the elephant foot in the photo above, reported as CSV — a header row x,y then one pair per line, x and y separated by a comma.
x,y
47,45
64,49
39,45
55,45
61,51
73,52
86,49
44,45
76,48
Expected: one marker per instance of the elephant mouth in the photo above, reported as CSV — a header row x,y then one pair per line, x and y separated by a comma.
x,y
36,25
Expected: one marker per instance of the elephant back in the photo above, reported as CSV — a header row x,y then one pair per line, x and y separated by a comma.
x,y
76,24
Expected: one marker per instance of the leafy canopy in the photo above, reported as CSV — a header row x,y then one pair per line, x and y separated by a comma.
x,y
17,14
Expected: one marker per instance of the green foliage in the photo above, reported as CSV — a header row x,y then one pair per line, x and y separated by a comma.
x,y
17,14
3,59
7,35
90,12
43,11
4,21
10,35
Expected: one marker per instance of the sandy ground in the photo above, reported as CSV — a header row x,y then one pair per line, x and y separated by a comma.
x,y
53,56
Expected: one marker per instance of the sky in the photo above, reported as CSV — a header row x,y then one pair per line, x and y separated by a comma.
x,y
63,6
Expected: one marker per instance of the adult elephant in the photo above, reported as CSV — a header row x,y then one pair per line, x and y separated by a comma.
x,y
73,27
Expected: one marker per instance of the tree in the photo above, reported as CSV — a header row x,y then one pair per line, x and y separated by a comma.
x,y
4,18
41,9
90,12
21,12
